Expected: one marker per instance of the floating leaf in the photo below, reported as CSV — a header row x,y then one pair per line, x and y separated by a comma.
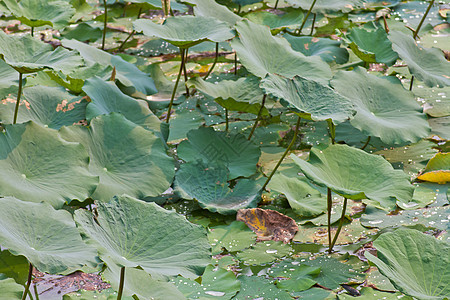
x,y
355,174
132,233
298,278
126,157
427,277
371,294
48,238
207,183
383,107
315,294
328,5
234,237
15,267
253,287
277,22
233,150
264,253
261,53
10,289
437,169
107,294
310,97
428,65
37,165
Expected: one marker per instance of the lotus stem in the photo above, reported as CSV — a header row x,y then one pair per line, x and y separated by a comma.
x,y
366,143
341,222
235,63
306,18
104,25
27,287
386,28
332,131
258,117
19,93
297,126
276,5
176,86
214,63
411,83
32,31
121,283
185,72
226,120
423,19
329,205
313,23
132,32
36,294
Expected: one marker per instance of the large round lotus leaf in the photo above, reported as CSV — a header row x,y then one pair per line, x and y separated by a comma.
x,y
37,165
328,5
136,83
329,50
132,233
36,13
296,279
207,183
292,18
127,158
427,64
383,107
372,46
310,97
415,263
234,237
355,174
106,98
264,253
255,287
48,238
51,107
233,150
10,289
261,53
210,8
186,31
27,55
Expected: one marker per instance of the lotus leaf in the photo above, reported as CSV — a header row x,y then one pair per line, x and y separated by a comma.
x,y
37,165
289,19
372,294
48,238
437,169
234,237
254,287
126,157
37,13
233,150
310,97
186,31
383,107
8,80
415,263
10,289
210,8
261,53
15,267
298,279
264,252
355,174
131,233
328,5
427,64
107,294
156,4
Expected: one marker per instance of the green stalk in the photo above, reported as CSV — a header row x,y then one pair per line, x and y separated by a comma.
x,y
411,83
297,126
226,120
27,287
36,294
32,31
423,19
306,18
121,283
185,72
214,63
235,63
367,143
132,32
176,85
19,93
329,205
313,23
341,222
276,5
104,25
332,131
258,117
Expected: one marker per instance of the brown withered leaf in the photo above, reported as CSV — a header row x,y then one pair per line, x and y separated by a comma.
x,y
268,224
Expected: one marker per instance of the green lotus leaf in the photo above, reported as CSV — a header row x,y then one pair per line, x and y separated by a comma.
x,y
255,287
264,253
261,53
10,289
8,80
135,82
372,46
126,157
355,174
48,238
106,98
310,97
372,294
411,13
315,294
186,31
210,8
233,150
183,122
427,64
234,237
131,233
28,55
384,108
289,19
51,107
83,32
415,263
13,266
207,183
37,165
303,199
107,294
324,6
156,4
216,283
243,95
329,50
36,13
298,279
